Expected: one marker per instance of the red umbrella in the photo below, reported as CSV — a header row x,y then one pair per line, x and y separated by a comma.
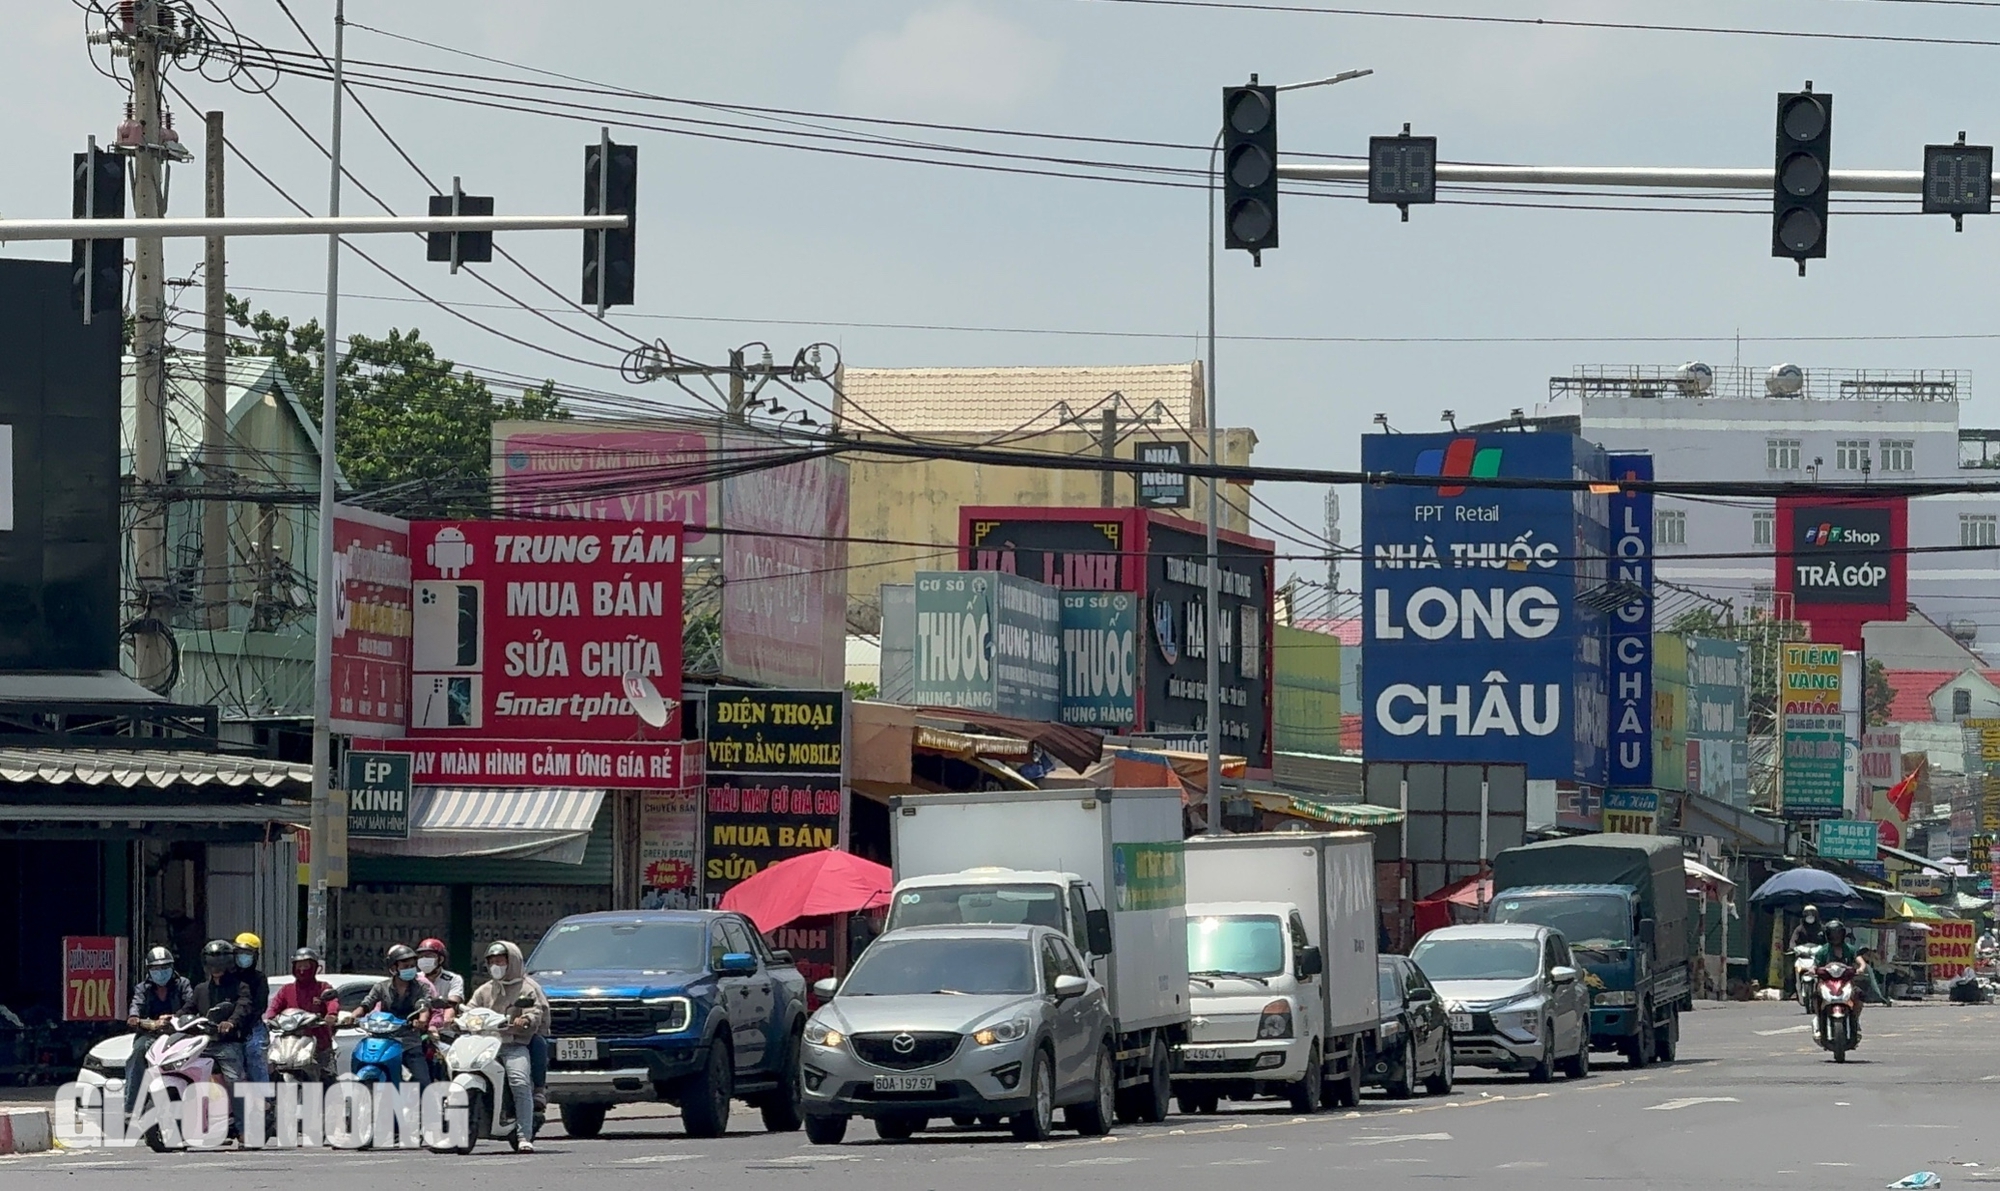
x,y
810,886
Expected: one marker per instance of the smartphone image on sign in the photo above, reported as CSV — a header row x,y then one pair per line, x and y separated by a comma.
x,y
446,633
445,701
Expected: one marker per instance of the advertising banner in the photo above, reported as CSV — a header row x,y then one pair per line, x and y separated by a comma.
x,y
527,629
1670,712
1100,633
784,572
371,623
1635,812
1951,946
1475,647
1074,549
1844,562
670,847
1988,732
613,765
1176,625
1168,487
1632,711
1718,719
989,641
1813,731
93,978
378,795
776,776
607,471
1847,839
1147,877
1881,757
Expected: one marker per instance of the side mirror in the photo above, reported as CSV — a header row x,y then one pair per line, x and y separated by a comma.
x,y
525,1000
736,963
778,957
1563,974
219,1013
1421,996
1311,962
824,989
1070,986
1646,931
1097,931
326,995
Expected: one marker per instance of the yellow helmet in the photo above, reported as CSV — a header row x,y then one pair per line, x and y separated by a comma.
x,y
249,941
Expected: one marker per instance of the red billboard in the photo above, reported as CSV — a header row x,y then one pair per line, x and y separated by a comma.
x,y
618,765
371,625
525,630
784,568
94,983
1844,561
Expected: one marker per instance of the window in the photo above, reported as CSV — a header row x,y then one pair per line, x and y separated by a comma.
x,y
738,937
1978,529
1850,454
1898,454
1051,965
1763,529
1079,924
1961,703
1781,454
1670,528
1067,961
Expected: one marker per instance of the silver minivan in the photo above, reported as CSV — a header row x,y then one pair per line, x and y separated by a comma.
x,y
1515,997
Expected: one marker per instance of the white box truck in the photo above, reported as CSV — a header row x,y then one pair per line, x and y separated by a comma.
x,y
1104,866
1281,952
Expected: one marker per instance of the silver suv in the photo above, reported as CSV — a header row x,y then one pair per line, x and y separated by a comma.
x,y
1514,995
972,1022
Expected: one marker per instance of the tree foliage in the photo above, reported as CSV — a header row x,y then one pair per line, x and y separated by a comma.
x,y
412,428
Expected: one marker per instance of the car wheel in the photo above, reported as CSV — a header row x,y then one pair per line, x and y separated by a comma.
x,y
898,1128
783,1110
964,1120
1402,1080
705,1097
1442,1083
1037,1121
1577,1066
1544,1069
826,1131
583,1120
1309,1094
1198,1103
1094,1118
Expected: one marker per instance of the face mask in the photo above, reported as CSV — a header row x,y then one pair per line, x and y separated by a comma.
x,y
407,974
244,961
427,963
161,976
497,971
305,975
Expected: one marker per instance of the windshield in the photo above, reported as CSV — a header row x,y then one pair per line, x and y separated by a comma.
x,y
631,946
1236,945
1478,959
1590,920
951,905
905,967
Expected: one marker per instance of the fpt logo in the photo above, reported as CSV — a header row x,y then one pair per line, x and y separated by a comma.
x,y
1826,533
1463,458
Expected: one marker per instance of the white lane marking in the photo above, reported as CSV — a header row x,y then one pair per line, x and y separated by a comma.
x,y
798,1159
1798,1029
1690,1102
1401,1137
1107,1160
649,1159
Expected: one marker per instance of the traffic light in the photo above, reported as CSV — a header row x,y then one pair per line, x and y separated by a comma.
x,y
97,191
1250,168
1958,180
1803,173
460,248
610,187
1402,170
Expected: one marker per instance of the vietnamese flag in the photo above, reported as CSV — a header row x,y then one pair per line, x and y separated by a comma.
x,y
1903,794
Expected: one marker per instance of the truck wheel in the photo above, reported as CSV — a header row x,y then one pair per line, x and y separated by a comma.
x,y
783,1110
1442,1083
1094,1117
1667,1039
1150,1101
584,1120
1345,1092
705,1096
826,1131
1639,1047
1308,1094
1402,1072
1038,1120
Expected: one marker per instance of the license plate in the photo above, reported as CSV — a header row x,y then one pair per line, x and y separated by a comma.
x,y
576,1050
1462,1022
906,1083
1204,1054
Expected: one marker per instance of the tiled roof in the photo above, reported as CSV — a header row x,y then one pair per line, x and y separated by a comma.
x,y
996,400
1914,688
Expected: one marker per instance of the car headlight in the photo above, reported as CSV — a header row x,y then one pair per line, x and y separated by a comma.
x,y
1621,997
818,1033
1519,1021
1006,1031
671,1015
1276,1021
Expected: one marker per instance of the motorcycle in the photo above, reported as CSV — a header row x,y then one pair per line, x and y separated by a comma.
x,y
178,1059
378,1057
294,1049
1802,974
473,1060
1838,1000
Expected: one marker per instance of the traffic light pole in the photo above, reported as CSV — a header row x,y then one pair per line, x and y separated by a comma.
x,y
1638,177
1212,580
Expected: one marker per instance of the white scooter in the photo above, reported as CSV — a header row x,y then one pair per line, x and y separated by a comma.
x,y
294,1051
473,1059
1804,974
179,1060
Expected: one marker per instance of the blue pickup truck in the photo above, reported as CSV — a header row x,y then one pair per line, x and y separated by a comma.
x,y
689,1007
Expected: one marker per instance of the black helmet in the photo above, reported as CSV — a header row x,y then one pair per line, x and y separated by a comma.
x,y
218,954
1836,927
398,954
159,957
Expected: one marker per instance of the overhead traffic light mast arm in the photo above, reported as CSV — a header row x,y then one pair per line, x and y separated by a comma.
x,y
299,225
1637,177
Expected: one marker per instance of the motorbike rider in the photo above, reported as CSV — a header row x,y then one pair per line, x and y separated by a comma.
x,y
408,995
162,994
258,1045
308,992
228,987
430,962
1836,949
509,982
1809,932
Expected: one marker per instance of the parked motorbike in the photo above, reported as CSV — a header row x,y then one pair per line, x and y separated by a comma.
x,y
1802,974
1838,1001
473,1060
179,1060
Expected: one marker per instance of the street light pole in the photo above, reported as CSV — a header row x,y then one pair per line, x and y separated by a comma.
x,y
1212,573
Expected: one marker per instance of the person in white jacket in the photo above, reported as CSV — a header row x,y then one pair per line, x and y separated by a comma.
x,y
512,992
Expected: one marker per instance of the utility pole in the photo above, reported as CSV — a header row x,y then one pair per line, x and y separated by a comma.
x,y
1107,446
152,653
215,390
737,412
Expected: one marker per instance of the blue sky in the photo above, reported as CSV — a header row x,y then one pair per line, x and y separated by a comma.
x,y
738,233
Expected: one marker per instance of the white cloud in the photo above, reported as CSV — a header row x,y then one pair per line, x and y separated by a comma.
x,y
953,58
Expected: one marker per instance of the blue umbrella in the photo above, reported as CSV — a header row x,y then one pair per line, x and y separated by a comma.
x,y
1805,886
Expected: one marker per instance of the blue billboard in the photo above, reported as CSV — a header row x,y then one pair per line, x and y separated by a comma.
x,y
1631,760
1475,647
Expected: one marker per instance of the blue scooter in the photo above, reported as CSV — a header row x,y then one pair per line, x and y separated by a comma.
x,y
378,1057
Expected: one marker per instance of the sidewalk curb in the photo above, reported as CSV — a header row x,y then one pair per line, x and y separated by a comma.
x,y
25,1131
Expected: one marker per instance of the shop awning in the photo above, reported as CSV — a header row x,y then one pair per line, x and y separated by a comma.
x,y
148,813
548,825
1333,814
158,768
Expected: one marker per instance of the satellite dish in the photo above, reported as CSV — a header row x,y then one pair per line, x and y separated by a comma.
x,y
646,699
